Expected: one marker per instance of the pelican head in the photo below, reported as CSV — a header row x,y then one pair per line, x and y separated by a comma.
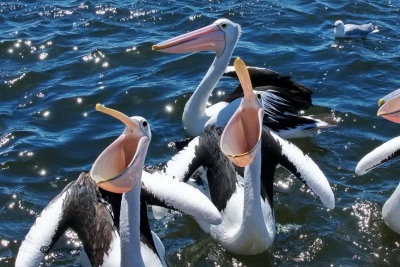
x,y
119,167
215,37
242,134
390,106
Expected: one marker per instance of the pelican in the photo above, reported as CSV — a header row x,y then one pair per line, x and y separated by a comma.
x,y
221,37
107,210
390,109
244,197
353,30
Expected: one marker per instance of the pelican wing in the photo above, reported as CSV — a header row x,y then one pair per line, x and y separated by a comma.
x,y
171,193
76,207
381,154
279,151
184,162
41,237
297,97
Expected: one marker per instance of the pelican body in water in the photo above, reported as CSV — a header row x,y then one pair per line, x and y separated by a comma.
x,y
280,94
107,210
235,170
390,110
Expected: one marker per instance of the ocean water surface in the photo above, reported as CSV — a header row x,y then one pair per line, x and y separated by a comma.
x,y
59,58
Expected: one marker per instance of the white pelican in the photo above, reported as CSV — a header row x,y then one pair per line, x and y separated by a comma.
x,y
383,153
221,37
113,228
244,197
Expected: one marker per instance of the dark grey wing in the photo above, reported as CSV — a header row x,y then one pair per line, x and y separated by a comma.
x,y
79,208
297,96
168,189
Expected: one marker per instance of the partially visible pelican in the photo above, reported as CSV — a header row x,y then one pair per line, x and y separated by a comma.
x,y
111,221
390,110
244,196
390,106
280,94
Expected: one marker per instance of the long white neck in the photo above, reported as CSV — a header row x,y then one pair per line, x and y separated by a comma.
x,y
257,230
252,211
130,228
194,115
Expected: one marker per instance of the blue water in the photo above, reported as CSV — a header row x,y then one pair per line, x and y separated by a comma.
x,y
59,58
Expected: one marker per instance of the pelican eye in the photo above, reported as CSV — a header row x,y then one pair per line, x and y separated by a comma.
x,y
224,25
144,124
259,96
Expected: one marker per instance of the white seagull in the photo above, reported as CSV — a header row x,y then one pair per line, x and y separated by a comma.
x,y
353,30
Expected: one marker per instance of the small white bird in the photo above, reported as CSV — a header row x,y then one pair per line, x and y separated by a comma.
x,y
353,30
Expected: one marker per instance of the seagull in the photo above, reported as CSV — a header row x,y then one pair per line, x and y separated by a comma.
x,y
342,30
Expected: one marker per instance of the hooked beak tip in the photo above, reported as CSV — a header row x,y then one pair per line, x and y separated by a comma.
x,y
380,102
98,106
154,47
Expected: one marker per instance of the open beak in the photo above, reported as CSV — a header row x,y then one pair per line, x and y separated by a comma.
x,y
242,134
390,106
209,38
118,168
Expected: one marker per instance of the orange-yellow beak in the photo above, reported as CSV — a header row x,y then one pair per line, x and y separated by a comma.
x,y
118,168
242,134
209,38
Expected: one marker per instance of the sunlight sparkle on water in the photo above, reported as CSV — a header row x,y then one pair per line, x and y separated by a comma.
x,y
5,243
168,108
43,55
46,113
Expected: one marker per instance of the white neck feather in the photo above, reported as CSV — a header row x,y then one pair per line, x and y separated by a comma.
x,y
194,115
257,229
130,228
252,212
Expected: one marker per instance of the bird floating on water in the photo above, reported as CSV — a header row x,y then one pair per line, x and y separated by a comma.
x,y
113,226
281,96
390,110
353,30
244,196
